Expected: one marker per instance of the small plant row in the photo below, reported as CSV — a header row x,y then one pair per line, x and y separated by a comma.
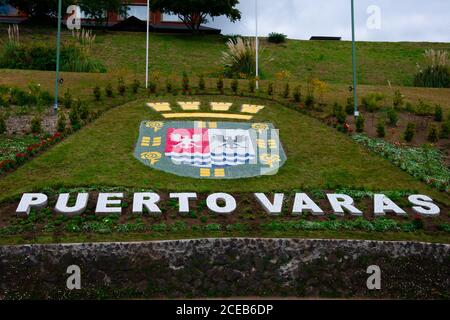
x,y
424,163
110,224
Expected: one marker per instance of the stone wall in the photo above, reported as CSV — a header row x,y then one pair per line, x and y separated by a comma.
x,y
227,267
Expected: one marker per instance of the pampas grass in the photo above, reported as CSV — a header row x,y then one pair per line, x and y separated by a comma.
x,y
436,73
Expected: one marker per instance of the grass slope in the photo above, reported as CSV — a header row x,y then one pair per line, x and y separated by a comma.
x,y
379,62
102,154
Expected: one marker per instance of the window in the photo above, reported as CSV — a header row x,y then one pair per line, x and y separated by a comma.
x,y
139,12
170,18
7,10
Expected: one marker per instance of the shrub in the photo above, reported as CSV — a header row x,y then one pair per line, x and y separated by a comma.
x,y
152,87
445,130
438,114
219,84
240,58
169,86
310,100
410,132
298,94
287,91
338,113
371,102
436,73
392,116
276,37
97,93
350,107
2,124
74,119
43,57
360,123
270,89
82,109
19,97
109,90
399,100
201,83
424,109
36,126
121,88
62,122
67,100
251,85
381,132
433,134
409,107
135,86
185,84
235,85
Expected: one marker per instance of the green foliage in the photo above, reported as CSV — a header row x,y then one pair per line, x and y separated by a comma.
x,y
96,9
219,84
109,90
392,116
410,132
152,87
43,57
169,86
185,83
36,126
445,130
97,93
201,83
438,113
360,124
195,12
270,89
2,124
350,107
74,118
310,100
239,59
371,102
82,109
67,99
121,87
235,85
135,86
287,91
398,100
275,37
424,109
433,77
381,131
251,85
62,122
433,134
338,113
425,163
298,93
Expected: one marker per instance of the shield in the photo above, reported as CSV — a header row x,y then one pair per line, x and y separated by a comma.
x,y
210,150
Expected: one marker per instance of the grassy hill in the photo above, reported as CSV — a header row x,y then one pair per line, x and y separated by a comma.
x,y
329,60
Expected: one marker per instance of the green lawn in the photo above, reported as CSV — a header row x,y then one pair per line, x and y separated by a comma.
x,y
102,154
124,52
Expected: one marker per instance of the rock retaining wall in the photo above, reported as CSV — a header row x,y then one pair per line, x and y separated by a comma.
x,y
227,267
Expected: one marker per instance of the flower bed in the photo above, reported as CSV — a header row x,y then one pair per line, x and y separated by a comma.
x,y
423,163
32,150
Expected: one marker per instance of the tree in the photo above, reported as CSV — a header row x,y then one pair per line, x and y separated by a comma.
x,y
38,9
97,9
195,12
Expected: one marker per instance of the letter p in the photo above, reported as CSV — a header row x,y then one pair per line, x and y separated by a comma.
x,y
31,201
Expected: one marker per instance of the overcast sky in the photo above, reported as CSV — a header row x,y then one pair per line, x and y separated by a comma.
x,y
401,20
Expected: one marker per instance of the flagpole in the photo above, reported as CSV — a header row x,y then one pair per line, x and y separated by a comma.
x,y
147,45
58,53
257,45
355,94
